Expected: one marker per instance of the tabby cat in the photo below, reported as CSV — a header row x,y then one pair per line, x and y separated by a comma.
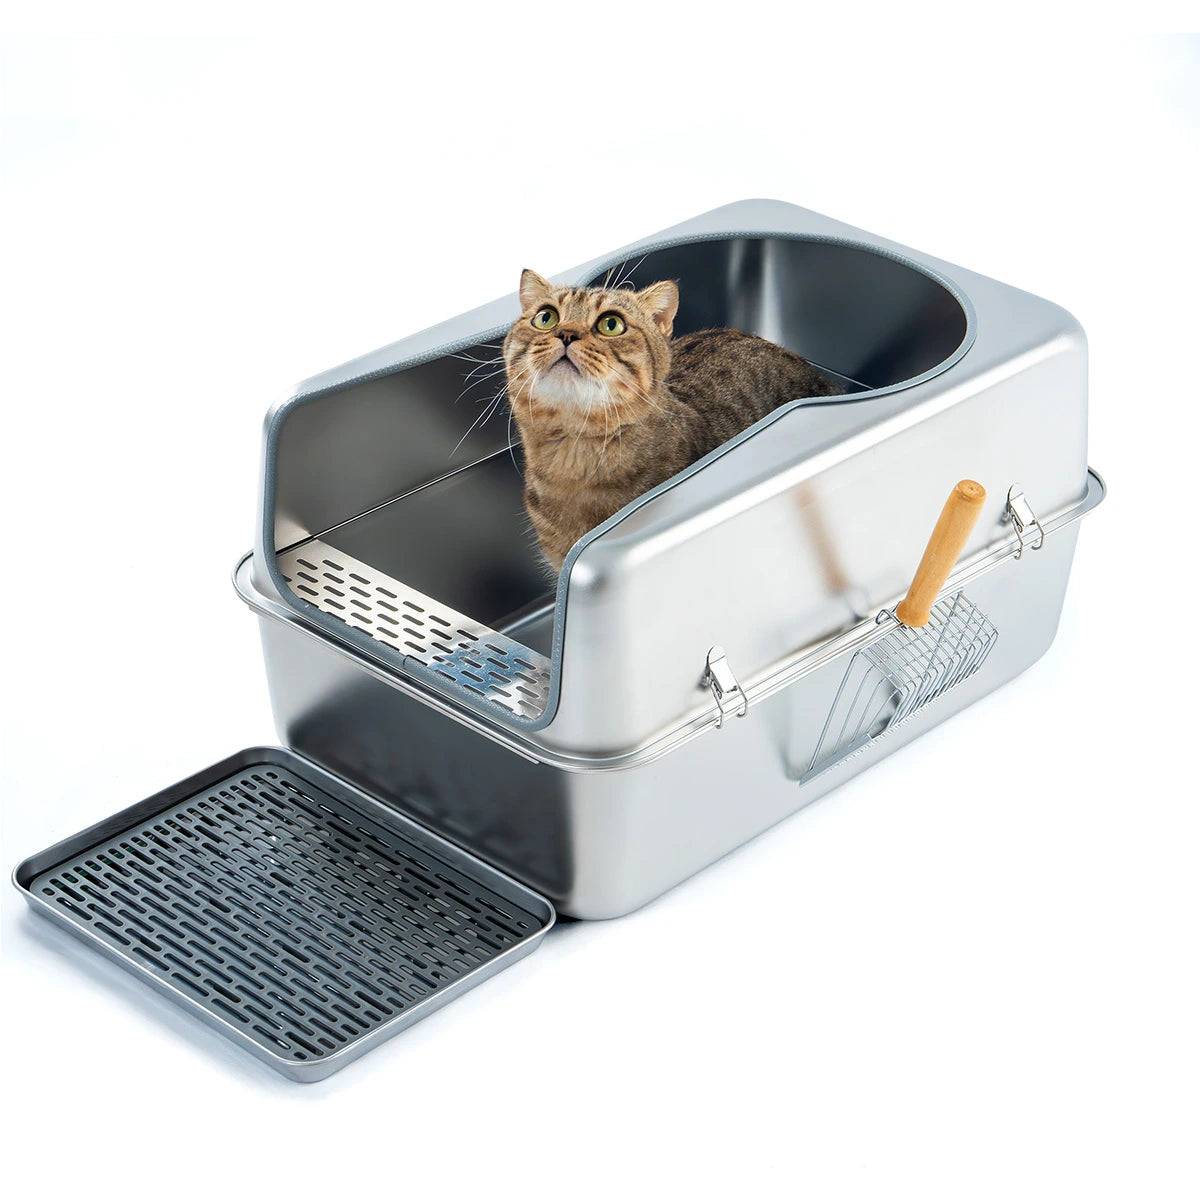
x,y
608,406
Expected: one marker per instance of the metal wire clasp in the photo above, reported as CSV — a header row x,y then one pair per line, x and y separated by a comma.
x,y
1022,516
720,680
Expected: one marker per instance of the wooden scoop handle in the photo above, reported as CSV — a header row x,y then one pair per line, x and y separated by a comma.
x,y
946,543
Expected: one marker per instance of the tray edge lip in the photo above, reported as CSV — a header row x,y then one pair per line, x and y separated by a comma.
x,y
32,864
39,862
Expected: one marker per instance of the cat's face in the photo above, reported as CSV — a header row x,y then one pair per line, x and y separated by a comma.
x,y
588,359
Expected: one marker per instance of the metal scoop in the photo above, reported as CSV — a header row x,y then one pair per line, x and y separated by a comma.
x,y
924,648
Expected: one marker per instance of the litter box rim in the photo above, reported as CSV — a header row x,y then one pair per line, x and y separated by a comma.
x,y
492,713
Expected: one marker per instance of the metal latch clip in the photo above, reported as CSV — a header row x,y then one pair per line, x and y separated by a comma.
x,y
721,681
1022,516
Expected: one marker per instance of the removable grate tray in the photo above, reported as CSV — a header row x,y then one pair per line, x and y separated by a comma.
x,y
451,645
292,919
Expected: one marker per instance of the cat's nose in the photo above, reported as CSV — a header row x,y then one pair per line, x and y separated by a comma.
x,y
568,336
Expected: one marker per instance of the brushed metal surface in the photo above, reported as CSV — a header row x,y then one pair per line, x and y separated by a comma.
x,y
871,320
786,536
600,837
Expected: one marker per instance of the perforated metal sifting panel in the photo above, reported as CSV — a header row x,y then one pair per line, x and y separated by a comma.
x,y
296,920
416,626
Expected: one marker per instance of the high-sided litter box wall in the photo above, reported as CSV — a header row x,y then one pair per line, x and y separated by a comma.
x,y
415,645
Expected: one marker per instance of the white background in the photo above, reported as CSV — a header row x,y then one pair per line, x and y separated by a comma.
x,y
971,972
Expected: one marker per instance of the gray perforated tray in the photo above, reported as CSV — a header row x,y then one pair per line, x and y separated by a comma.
x,y
300,917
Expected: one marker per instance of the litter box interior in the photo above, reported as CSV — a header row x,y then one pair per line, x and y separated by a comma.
x,y
398,499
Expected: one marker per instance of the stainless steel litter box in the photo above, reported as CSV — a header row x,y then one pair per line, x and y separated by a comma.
x,y
602,738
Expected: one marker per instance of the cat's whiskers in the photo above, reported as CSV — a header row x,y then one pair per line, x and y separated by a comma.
x,y
627,274
487,412
512,391
512,452
481,363
471,386
582,427
618,433
638,390
535,375
480,366
479,420
513,387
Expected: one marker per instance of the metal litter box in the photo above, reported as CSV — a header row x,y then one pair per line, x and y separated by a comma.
x,y
495,738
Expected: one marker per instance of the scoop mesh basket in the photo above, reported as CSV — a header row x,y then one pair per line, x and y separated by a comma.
x,y
899,673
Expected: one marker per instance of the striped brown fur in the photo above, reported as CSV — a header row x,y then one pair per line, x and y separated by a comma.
x,y
603,419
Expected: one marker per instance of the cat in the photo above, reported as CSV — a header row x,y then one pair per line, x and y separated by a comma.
x,y
608,406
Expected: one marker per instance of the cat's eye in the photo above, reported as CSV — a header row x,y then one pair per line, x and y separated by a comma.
x,y
610,325
545,318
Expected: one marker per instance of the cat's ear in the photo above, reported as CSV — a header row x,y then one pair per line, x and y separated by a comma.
x,y
534,289
660,302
